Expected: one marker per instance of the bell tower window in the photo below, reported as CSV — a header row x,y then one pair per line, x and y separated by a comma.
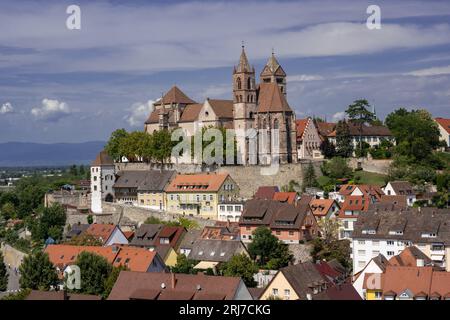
x,y
239,84
249,83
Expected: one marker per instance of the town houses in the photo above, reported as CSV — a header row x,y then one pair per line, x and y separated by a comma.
x,y
293,218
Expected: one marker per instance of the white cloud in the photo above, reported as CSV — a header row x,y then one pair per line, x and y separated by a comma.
x,y
6,108
139,112
304,77
435,71
51,110
338,116
176,38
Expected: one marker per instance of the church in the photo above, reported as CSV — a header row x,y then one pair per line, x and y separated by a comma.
x,y
260,110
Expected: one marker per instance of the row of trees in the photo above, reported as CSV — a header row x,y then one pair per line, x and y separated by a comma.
x,y
157,147
140,146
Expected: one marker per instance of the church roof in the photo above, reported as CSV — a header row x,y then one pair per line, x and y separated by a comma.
x,y
175,95
271,99
191,112
102,159
243,65
273,68
222,108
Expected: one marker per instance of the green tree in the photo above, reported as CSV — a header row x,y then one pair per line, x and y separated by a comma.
x,y
336,168
95,271
37,272
73,170
184,265
115,143
50,223
90,219
358,113
30,193
344,145
240,266
415,132
327,148
8,211
329,229
112,279
162,145
362,150
309,176
3,274
335,249
268,250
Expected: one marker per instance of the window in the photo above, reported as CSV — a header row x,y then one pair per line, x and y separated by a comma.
x,y
390,243
361,264
287,294
278,232
375,253
291,233
390,253
95,188
362,252
239,83
222,208
237,208
378,294
361,242
275,292
375,243
95,178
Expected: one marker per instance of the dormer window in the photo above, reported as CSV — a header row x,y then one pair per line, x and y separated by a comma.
x,y
429,235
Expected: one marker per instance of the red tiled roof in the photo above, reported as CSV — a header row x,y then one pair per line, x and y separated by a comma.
x,y
175,95
101,231
288,197
301,126
354,203
265,192
445,123
131,285
136,259
202,182
321,207
102,159
271,99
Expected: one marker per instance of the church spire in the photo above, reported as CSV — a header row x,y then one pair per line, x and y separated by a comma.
x,y
243,65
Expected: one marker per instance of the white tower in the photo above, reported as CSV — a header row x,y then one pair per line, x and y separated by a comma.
x,y
102,181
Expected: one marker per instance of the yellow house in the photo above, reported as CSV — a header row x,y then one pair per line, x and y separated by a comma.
x,y
295,282
168,254
150,191
199,194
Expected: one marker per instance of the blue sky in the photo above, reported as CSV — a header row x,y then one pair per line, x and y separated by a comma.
x,y
60,85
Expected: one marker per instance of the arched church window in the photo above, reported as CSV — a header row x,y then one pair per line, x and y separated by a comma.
x,y
275,124
249,83
239,84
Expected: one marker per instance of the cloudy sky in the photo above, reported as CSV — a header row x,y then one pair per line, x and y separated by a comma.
x,y
61,85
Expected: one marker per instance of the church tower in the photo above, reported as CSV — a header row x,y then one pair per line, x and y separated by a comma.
x,y
244,103
274,73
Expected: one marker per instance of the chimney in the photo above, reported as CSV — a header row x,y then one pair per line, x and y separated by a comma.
x,y
173,280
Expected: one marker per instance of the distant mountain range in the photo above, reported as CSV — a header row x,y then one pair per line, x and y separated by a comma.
x,y
24,154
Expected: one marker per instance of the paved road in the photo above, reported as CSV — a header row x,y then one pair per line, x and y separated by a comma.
x,y
13,283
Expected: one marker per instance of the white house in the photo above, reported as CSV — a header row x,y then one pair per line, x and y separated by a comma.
x,y
230,210
376,265
444,129
390,232
401,188
102,181
308,139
